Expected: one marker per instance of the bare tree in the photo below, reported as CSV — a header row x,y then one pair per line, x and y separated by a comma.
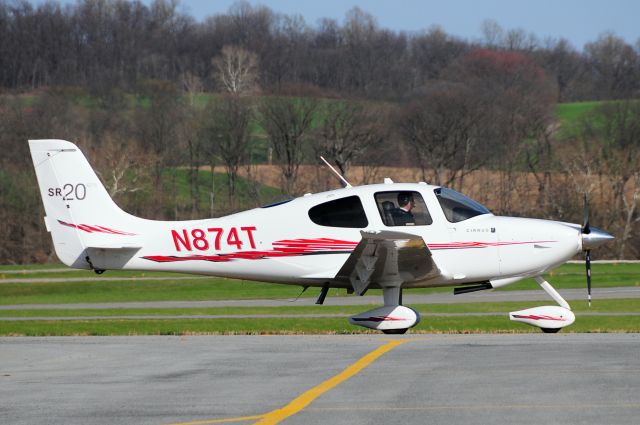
x,y
228,131
236,70
492,32
287,121
192,84
348,131
518,39
326,54
616,66
432,52
159,116
564,63
517,100
442,128
124,166
191,137
611,135
360,31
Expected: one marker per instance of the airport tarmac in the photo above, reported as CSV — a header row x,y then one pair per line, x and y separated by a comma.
x,y
334,379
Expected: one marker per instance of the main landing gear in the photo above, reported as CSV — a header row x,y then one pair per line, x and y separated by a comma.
x,y
393,318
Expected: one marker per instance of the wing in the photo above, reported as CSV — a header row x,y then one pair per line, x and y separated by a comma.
x,y
388,258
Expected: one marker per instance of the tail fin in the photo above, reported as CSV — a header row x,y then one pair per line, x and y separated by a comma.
x,y
80,214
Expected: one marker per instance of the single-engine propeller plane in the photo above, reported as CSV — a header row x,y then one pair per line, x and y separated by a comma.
x,y
391,236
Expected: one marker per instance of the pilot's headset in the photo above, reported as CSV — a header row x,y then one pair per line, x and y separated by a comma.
x,y
404,198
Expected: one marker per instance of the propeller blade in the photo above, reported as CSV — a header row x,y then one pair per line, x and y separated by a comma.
x,y
585,221
587,264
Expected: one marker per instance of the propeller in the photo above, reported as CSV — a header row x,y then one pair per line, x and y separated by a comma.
x,y
587,257
592,237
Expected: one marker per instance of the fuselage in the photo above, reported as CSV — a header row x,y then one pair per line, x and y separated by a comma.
x,y
307,240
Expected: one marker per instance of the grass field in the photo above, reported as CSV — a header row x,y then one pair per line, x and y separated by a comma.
x,y
196,288
16,288
243,196
569,113
321,325
599,306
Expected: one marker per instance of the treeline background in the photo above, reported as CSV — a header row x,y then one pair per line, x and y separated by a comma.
x,y
99,44
191,119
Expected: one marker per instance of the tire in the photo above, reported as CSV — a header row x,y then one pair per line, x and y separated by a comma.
x,y
550,330
395,331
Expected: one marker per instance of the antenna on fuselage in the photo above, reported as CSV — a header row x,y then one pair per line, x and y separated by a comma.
x,y
346,183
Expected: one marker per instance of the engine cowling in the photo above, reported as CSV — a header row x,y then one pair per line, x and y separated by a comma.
x,y
545,317
387,318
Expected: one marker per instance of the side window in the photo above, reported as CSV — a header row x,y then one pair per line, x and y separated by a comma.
x,y
344,212
402,208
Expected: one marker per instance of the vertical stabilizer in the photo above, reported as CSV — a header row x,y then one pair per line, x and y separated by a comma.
x,y
80,214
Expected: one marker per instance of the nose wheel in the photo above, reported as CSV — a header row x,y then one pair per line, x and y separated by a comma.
x,y
550,319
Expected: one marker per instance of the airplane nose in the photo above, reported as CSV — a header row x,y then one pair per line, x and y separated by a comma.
x,y
595,238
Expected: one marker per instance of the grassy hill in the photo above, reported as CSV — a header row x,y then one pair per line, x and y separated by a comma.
x,y
569,113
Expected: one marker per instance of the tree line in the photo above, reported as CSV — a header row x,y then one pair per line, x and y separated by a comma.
x,y
154,98
501,145
100,44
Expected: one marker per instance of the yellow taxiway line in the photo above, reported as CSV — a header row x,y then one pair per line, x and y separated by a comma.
x,y
306,398
221,421
309,396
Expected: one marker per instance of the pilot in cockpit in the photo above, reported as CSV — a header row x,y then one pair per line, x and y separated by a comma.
x,y
403,216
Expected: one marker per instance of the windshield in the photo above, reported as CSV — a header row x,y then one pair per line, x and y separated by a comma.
x,y
457,207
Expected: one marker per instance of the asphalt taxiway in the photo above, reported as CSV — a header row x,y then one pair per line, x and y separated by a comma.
x,y
336,379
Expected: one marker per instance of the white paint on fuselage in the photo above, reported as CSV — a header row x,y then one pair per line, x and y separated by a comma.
x,y
506,246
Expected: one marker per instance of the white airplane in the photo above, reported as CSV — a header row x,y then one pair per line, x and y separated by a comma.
x,y
390,236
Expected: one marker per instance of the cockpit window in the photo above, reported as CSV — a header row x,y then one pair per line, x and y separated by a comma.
x,y
402,208
343,212
457,207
